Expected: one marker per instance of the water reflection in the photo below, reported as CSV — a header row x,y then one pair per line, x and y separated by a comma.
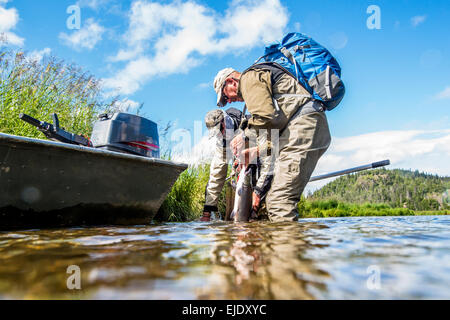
x,y
317,258
262,261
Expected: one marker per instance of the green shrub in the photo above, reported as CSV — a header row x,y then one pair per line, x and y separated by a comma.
x,y
332,208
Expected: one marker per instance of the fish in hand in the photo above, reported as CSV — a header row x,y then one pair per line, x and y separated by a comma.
x,y
242,210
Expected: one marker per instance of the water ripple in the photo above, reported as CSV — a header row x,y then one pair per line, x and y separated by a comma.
x,y
335,258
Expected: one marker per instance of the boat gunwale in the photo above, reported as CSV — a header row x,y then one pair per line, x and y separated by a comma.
x,y
49,143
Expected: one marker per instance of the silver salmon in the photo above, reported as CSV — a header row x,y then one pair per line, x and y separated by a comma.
x,y
243,197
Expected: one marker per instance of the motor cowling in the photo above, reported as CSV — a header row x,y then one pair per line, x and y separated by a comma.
x,y
127,133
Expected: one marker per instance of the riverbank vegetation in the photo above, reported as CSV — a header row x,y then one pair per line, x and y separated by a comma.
x,y
333,208
379,192
41,88
396,188
186,199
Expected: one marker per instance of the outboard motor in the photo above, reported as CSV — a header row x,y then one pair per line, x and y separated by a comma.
x,y
127,133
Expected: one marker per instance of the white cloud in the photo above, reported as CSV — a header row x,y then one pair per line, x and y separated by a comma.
x,y
130,79
247,24
8,21
39,55
127,105
93,4
9,18
205,85
427,151
445,94
87,37
11,38
200,154
125,54
415,21
172,38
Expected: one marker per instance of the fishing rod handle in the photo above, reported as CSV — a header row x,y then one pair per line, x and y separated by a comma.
x,y
381,164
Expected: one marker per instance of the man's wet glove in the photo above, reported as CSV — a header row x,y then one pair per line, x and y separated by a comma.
x,y
256,201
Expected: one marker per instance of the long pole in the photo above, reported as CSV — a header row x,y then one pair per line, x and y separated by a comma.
x,y
351,170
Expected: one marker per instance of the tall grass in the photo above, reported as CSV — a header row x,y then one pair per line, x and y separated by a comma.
x,y
42,88
186,199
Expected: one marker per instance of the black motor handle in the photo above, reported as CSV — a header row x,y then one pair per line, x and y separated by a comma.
x,y
29,119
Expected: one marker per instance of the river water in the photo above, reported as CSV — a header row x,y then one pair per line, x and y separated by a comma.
x,y
334,258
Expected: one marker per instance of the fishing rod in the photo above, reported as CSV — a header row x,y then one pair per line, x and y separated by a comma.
x,y
351,170
346,171
243,202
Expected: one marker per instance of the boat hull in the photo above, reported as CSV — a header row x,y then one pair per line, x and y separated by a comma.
x,y
47,184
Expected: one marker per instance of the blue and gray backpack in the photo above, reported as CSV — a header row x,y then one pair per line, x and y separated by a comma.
x,y
311,64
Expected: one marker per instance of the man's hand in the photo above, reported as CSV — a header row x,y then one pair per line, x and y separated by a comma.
x,y
256,202
248,156
237,144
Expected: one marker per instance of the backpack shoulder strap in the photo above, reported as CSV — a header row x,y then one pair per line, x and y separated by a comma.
x,y
244,120
276,72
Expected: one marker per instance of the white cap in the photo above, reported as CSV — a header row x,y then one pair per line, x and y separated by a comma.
x,y
219,82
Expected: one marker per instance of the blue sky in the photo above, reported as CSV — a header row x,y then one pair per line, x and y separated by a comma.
x,y
397,103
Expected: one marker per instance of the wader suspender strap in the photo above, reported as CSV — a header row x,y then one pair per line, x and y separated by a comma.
x,y
243,119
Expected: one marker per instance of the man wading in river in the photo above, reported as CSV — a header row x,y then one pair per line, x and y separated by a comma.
x,y
223,125
303,132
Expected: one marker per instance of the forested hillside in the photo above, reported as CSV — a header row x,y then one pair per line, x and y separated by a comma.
x,y
397,188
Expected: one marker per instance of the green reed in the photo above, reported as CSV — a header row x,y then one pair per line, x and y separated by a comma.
x,y
42,88
187,196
